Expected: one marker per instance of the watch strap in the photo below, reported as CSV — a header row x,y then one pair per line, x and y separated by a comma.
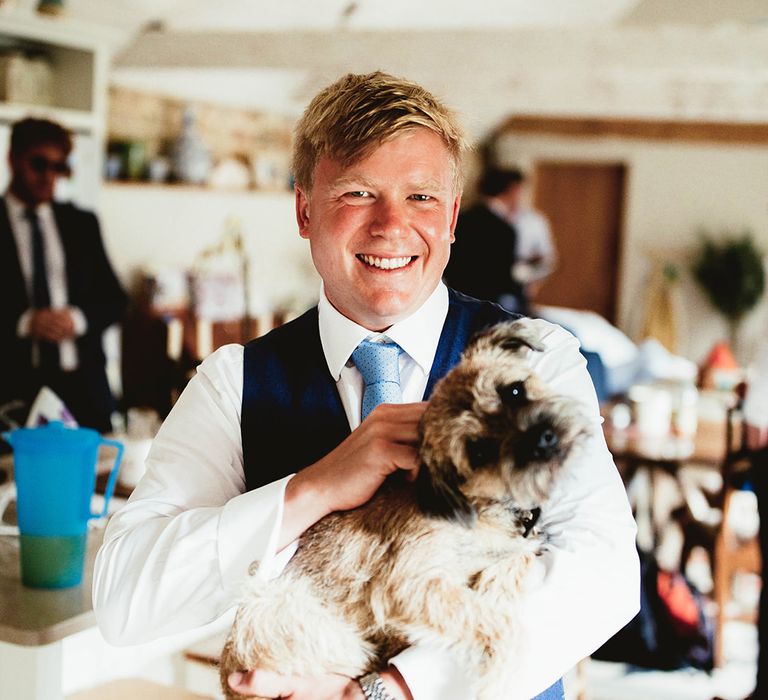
x,y
373,687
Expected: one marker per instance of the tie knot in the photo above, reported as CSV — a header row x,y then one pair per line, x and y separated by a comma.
x,y
30,214
378,362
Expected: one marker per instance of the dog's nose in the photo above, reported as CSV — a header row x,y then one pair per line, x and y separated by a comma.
x,y
546,444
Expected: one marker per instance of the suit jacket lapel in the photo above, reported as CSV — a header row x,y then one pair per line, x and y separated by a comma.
x,y
15,288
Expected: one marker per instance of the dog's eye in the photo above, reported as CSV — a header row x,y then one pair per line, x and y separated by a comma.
x,y
482,451
513,394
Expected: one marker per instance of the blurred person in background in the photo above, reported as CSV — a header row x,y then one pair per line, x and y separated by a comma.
x,y
58,288
503,247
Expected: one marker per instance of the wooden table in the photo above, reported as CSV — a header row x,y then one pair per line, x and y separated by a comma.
x,y
33,623
633,450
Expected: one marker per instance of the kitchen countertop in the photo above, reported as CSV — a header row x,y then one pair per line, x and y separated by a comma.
x,y
32,616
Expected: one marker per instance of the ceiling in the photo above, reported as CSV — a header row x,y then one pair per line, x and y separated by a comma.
x,y
485,57
318,15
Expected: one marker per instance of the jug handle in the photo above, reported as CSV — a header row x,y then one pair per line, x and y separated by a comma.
x,y
112,480
7,496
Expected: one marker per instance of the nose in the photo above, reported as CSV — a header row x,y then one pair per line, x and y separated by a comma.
x,y
546,444
390,218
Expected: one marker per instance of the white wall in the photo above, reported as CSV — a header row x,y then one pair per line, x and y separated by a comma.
x,y
170,226
673,190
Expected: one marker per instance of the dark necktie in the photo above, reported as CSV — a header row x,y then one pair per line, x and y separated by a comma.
x,y
379,365
41,297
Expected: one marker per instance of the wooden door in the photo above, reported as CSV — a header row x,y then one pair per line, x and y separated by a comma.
x,y
584,204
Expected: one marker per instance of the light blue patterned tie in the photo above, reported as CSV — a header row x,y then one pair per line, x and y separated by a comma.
x,y
379,365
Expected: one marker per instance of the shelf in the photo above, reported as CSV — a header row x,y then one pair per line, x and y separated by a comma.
x,y
63,31
182,187
77,120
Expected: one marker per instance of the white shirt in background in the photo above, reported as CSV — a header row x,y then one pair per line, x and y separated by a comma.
x,y
756,401
175,555
535,252
55,270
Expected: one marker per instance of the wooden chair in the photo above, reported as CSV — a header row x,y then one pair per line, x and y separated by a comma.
x,y
732,554
711,527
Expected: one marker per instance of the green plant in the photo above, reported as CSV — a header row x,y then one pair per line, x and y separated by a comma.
x,y
730,271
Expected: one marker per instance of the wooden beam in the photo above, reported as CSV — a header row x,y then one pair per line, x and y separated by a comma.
x,y
645,129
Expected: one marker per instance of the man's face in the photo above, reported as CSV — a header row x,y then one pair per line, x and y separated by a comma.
x,y
35,172
380,230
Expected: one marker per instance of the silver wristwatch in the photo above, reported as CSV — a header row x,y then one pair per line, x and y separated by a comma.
x,y
373,687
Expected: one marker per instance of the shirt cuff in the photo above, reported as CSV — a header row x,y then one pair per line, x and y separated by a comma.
x,y
79,320
249,528
23,324
432,673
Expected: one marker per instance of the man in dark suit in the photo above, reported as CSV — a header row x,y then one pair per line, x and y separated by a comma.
x,y
484,252
58,288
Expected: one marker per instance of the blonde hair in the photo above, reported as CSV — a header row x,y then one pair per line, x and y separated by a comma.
x,y
348,119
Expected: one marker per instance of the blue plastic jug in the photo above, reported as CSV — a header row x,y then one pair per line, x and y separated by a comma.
x,y
55,472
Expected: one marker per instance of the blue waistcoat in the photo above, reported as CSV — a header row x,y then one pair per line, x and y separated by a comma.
x,y
292,414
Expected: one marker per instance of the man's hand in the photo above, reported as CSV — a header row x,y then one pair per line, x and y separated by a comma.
x,y
52,325
757,438
332,686
347,477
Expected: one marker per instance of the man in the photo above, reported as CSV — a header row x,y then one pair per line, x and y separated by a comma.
x,y
503,246
267,440
58,289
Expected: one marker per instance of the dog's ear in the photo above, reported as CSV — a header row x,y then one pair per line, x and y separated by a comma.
x,y
518,335
511,336
441,497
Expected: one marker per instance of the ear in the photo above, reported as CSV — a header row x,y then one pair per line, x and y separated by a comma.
x,y
441,497
302,212
455,216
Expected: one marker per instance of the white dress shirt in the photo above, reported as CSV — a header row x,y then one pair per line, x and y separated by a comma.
x,y
756,401
175,555
534,250
55,270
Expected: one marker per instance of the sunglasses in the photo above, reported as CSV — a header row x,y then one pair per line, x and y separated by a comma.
x,y
40,165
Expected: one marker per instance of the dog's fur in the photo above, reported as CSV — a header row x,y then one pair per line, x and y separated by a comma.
x,y
440,563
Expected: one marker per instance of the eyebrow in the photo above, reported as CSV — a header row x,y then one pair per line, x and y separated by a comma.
x,y
417,186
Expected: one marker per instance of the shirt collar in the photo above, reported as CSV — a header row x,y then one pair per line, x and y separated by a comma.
x,y
18,209
418,335
498,208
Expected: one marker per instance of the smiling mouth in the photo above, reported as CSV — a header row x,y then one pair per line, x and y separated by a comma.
x,y
386,263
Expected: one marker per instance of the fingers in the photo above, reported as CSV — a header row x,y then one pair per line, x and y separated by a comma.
x,y
267,684
52,325
404,457
261,683
400,422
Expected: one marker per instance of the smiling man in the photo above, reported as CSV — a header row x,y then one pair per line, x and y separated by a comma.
x,y
269,438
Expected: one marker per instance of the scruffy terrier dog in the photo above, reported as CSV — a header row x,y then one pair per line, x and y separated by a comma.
x,y
441,562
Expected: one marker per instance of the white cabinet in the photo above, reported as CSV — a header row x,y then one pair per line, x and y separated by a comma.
x,y
78,56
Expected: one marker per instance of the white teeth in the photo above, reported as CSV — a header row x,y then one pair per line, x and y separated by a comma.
x,y
385,263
